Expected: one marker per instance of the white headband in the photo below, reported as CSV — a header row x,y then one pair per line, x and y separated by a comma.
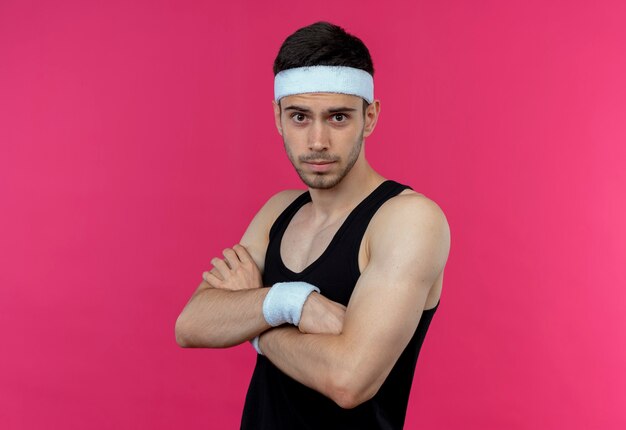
x,y
324,79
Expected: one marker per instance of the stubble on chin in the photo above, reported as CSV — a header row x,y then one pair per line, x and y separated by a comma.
x,y
319,181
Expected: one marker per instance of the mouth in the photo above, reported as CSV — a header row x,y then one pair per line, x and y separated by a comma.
x,y
319,163
319,166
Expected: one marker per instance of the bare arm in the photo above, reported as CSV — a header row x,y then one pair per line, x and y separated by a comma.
x,y
223,317
409,246
227,307
204,324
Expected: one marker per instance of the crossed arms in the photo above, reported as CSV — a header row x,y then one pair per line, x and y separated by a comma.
x,y
344,353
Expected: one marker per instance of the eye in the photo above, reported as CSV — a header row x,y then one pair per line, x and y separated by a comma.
x,y
342,117
300,117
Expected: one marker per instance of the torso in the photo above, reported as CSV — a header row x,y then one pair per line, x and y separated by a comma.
x,y
332,255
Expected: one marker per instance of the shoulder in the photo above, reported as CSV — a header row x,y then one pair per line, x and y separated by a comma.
x,y
277,203
408,219
406,209
284,197
256,236
272,208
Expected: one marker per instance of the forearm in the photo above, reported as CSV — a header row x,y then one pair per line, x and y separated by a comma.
x,y
323,362
217,318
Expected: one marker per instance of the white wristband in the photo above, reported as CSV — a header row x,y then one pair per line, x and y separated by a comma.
x,y
255,344
284,302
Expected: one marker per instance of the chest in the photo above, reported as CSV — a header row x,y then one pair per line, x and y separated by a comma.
x,y
304,241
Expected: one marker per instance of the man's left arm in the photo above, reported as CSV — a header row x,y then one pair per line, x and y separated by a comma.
x,y
408,248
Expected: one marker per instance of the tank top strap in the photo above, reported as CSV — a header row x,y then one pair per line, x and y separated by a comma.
x,y
360,219
368,207
364,212
284,218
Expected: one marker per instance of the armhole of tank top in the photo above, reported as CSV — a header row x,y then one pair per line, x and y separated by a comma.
x,y
354,264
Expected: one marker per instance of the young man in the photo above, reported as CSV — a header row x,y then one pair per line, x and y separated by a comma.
x,y
335,287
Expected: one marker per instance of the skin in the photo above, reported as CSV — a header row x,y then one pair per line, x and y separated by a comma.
x,y
344,353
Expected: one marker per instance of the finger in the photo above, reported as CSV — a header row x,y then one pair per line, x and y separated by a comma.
x,y
216,273
243,254
220,266
231,258
213,272
211,279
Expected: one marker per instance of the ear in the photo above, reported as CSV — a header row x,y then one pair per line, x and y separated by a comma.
x,y
371,117
277,119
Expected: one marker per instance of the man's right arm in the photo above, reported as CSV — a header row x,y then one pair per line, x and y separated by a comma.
x,y
219,318
216,318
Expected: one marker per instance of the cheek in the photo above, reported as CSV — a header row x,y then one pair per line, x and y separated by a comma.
x,y
294,138
289,147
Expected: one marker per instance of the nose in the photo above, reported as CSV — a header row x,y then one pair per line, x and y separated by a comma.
x,y
318,137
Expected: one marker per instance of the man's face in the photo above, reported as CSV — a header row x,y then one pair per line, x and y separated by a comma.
x,y
323,135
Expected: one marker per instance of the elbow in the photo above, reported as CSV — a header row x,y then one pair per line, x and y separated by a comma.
x,y
346,399
349,392
182,334
189,335
182,341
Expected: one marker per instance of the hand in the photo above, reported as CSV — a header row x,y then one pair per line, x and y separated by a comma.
x,y
237,271
321,315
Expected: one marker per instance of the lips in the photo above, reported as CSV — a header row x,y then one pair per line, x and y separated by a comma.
x,y
319,166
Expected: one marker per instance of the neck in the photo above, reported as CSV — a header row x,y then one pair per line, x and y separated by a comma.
x,y
355,186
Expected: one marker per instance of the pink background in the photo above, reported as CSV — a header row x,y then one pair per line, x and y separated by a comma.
x,y
137,141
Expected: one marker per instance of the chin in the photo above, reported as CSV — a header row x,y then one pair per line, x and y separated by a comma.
x,y
321,182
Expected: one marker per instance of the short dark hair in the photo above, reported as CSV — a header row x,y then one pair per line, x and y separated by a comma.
x,y
323,44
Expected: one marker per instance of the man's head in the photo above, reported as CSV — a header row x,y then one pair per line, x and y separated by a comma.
x,y
324,105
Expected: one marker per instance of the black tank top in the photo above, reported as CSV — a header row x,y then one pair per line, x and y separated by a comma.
x,y
274,400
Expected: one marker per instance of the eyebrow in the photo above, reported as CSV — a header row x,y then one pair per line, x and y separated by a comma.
x,y
330,110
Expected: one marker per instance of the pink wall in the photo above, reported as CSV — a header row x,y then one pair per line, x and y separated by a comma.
x,y
136,141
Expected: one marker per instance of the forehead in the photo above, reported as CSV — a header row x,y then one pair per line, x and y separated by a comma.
x,y
322,101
